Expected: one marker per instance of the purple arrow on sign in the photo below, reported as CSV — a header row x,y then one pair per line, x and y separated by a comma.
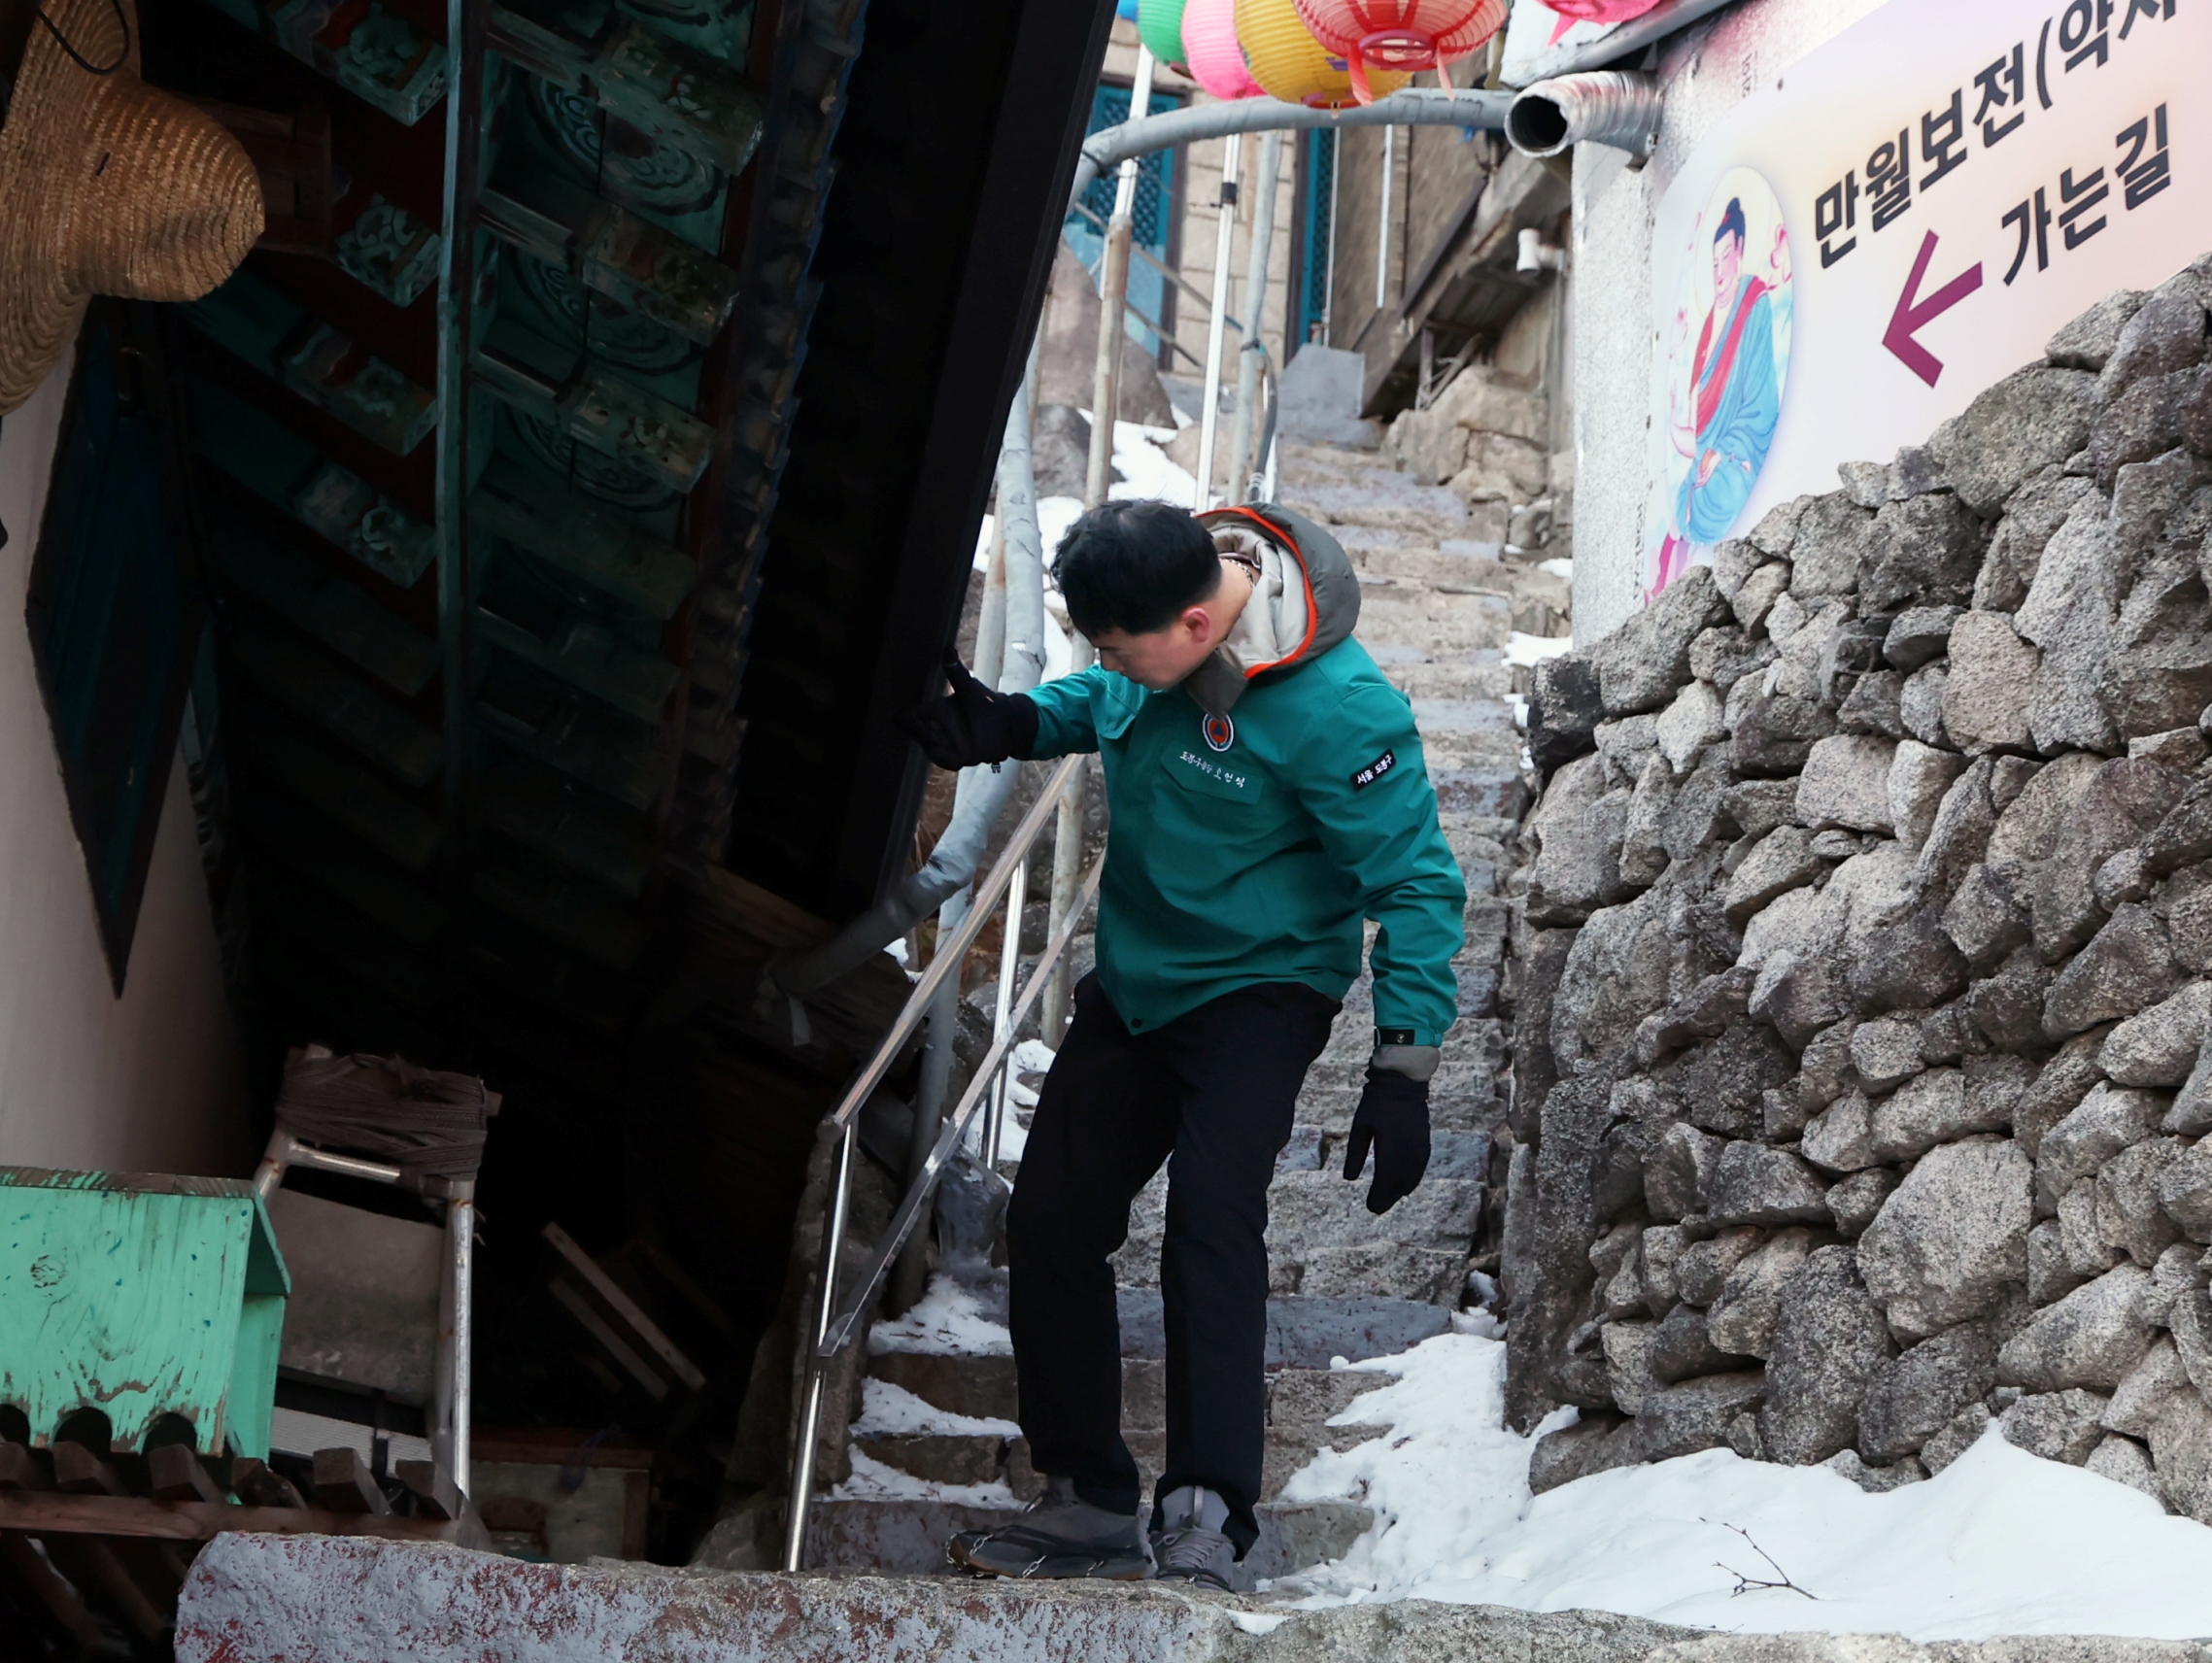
x,y
1913,314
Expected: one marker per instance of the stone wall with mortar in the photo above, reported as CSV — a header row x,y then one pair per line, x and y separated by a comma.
x,y
1864,961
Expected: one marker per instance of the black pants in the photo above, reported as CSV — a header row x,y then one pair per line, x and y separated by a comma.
x,y
1212,1093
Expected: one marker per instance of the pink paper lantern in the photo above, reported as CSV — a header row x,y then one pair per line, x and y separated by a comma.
x,y
1600,10
1216,61
1401,36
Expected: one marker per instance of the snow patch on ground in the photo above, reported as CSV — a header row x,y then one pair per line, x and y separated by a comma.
x,y
1533,650
1557,569
948,1321
1998,1542
1146,473
874,1480
887,1410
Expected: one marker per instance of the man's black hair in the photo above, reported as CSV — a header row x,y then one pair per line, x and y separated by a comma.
x,y
1733,220
1133,566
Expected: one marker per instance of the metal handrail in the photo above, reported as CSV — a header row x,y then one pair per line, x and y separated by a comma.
x,y
835,1327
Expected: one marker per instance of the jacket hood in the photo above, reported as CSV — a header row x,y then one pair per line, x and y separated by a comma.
x,y
1304,600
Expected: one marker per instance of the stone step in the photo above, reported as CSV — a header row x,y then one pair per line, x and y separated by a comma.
x,y
1285,1454
1300,1395
907,1538
1304,1332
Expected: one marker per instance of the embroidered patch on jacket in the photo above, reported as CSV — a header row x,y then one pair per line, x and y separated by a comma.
x,y
1220,733
1375,770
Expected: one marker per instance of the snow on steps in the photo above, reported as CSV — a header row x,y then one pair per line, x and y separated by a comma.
x,y
303,1599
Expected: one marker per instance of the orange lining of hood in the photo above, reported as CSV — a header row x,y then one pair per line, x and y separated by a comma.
x,y
1277,534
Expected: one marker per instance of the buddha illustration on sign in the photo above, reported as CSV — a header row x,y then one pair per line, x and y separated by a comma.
x,y
1729,360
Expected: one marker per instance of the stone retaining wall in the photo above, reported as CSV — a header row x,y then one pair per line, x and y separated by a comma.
x,y
1861,967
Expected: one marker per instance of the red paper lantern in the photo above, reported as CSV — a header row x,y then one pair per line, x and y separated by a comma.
x,y
1401,35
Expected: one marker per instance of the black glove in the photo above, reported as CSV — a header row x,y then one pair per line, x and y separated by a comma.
x,y
971,725
1393,1116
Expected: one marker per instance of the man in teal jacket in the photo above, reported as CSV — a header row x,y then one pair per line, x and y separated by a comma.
x,y
1267,794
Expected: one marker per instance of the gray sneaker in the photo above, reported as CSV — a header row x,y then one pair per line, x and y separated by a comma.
x,y
1187,1540
1061,1535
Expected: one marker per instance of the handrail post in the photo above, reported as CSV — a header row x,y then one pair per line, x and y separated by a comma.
x,y
810,1419
1225,229
1009,962
1254,346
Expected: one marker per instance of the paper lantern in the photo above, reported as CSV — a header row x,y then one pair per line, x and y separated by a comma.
x,y
1290,64
1405,35
1160,26
1215,58
1599,11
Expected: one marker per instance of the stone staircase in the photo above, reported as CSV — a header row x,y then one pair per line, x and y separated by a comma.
x,y
935,1447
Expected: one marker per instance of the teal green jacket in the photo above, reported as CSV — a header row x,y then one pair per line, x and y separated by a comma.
x,y
1255,859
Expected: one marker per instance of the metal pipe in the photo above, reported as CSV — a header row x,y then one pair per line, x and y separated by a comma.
x,y
460,1236
1113,300
1255,308
1409,106
1606,107
1383,220
991,616
285,1150
1010,963
1625,41
810,1419
1225,227
955,1131
1139,252
911,1279
949,953
1329,277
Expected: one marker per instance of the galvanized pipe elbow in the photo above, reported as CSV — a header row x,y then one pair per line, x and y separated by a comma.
x,y
1605,107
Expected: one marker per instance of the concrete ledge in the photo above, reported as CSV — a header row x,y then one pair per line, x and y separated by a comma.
x,y
267,1599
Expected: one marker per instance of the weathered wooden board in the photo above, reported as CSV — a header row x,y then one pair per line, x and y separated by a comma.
x,y
140,1295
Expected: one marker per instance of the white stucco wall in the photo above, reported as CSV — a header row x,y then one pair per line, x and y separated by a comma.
x,y
148,1081
1706,72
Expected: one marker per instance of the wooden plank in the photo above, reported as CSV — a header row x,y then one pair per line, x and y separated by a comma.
x,y
20,1470
343,1483
338,613
581,651
127,1300
177,1476
548,721
603,411
586,541
259,1485
634,73
623,1306
348,792
53,1590
437,1495
199,1521
309,685
532,805
77,1472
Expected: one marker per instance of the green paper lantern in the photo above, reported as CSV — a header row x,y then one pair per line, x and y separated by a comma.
x,y
1160,26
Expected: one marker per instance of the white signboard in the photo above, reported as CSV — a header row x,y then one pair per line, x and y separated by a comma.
x,y
1904,216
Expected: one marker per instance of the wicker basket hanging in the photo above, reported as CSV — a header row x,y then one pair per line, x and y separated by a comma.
x,y
107,186
1406,35
1291,65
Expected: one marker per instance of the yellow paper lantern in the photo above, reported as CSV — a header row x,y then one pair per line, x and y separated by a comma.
x,y
1291,65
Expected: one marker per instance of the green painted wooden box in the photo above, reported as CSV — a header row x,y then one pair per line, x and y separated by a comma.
x,y
141,1295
